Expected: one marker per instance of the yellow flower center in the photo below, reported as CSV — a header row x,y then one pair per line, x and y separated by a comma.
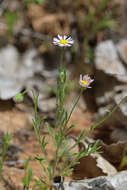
x,y
84,82
64,42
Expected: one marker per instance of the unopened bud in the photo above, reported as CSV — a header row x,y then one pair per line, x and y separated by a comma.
x,y
19,97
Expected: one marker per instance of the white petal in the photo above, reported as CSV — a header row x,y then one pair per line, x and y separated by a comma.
x,y
70,41
65,37
60,37
68,45
85,77
61,45
70,38
80,77
56,40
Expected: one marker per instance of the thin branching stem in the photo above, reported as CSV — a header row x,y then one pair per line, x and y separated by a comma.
x,y
73,107
109,114
59,103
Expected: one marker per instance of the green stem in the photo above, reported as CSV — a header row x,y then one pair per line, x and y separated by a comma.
x,y
61,57
58,100
59,108
55,164
73,107
109,114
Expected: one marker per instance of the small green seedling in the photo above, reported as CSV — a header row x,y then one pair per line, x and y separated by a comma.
x,y
3,151
11,18
28,175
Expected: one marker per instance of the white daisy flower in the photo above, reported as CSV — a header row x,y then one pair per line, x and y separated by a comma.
x,y
85,81
63,41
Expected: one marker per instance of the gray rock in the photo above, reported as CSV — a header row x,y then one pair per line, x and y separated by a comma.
x,y
107,60
15,70
111,80
116,182
122,50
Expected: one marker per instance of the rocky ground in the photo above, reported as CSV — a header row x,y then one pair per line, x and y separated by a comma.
x,y
28,59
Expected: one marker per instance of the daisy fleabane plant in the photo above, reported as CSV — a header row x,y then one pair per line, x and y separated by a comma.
x,y
65,157
85,81
63,41
63,151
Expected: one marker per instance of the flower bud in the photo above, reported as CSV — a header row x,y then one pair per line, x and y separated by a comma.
x,y
19,97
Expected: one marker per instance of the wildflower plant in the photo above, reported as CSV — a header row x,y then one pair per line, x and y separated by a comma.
x,y
27,175
3,150
61,128
63,151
